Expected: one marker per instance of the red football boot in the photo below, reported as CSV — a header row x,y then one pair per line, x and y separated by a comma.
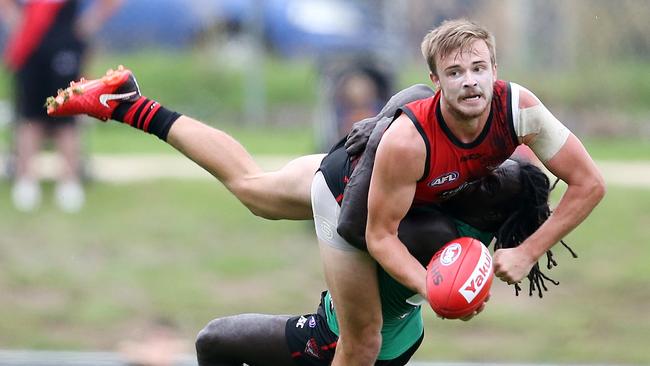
x,y
96,98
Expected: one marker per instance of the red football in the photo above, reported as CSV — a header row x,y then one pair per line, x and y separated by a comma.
x,y
459,277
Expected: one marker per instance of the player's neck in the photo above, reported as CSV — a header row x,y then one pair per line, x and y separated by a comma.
x,y
465,129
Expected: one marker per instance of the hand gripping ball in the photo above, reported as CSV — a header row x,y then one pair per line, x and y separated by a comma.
x,y
459,277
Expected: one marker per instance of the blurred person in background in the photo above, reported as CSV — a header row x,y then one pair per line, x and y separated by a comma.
x,y
47,42
354,87
357,98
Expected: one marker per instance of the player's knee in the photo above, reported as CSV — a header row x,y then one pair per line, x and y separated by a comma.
x,y
252,195
260,211
371,345
362,347
211,339
366,340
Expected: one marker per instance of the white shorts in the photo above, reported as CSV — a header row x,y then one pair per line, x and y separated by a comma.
x,y
326,214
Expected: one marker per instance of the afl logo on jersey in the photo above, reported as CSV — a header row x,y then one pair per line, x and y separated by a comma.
x,y
445,178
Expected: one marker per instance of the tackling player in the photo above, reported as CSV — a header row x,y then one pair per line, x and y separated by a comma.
x,y
512,190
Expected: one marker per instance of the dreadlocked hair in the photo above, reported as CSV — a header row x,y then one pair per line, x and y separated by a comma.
x,y
526,219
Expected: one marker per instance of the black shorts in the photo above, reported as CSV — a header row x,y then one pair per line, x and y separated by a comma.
x,y
51,67
312,343
337,167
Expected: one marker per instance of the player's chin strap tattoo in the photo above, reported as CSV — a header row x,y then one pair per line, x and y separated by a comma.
x,y
532,213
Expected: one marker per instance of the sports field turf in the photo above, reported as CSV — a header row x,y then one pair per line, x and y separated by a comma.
x,y
186,251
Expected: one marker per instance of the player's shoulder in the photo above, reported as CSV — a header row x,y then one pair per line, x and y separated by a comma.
x,y
420,106
402,150
525,97
403,136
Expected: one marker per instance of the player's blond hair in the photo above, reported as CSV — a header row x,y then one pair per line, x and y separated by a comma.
x,y
452,35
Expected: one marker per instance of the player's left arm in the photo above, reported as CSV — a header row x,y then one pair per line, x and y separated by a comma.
x,y
564,156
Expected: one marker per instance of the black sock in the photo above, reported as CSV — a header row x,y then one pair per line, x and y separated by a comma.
x,y
147,115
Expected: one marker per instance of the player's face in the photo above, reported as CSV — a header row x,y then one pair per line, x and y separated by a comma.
x,y
466,78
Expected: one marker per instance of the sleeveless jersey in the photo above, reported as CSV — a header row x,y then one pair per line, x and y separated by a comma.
x,y
450,162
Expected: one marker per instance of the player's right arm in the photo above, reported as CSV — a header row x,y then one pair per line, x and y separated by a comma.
x,y
399,164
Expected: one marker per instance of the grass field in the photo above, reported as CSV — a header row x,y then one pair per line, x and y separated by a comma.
x,y
187,252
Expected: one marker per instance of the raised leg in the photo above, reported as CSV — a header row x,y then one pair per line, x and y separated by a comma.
x,y
282,194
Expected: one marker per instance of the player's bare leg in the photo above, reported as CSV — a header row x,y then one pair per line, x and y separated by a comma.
x,y
283,194
351,276
352,279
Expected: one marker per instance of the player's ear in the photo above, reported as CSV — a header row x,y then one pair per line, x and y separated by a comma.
x,y
434,79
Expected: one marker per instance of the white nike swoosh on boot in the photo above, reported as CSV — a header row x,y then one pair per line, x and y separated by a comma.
x,y
104,98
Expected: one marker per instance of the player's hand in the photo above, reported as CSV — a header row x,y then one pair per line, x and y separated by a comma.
x,y
477,311
511,265
359,135
472,315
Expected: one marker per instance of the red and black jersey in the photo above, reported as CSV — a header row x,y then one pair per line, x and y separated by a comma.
x,y
43,23
449,161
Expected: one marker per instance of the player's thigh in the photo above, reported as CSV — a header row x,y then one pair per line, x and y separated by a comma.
x,y
284,193
295,178
351,274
